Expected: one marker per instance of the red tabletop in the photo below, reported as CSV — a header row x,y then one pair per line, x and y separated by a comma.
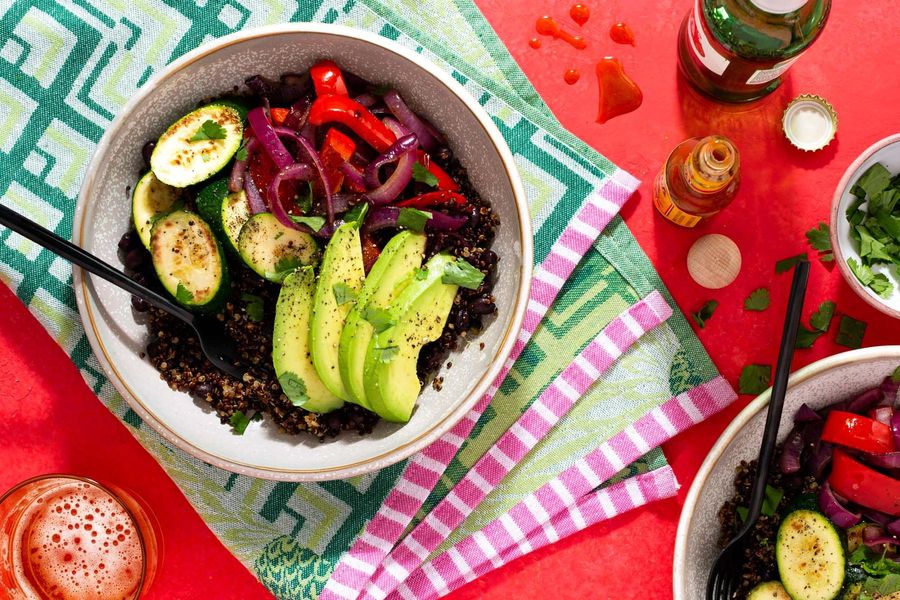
x,y
50,421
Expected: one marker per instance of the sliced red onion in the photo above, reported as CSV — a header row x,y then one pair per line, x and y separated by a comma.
x,y
293,172
893,527
833,509
354,175
875,516
317,165
790,453
402,146
890,460
874,537
820,459
895,428
267,137
367,100
343,201
309,133
865,401
409,119
891,391
299,114
236,180
254,199
402,175
805,414
443,222
386,216
882,414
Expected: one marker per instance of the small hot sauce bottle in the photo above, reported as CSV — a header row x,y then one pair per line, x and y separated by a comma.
x,y
699,179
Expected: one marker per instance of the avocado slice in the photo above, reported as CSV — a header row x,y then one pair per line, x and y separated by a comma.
x,y
418,315
395,267
340,279
290,345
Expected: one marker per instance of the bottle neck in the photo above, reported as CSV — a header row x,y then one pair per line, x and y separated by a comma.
x,y
712,165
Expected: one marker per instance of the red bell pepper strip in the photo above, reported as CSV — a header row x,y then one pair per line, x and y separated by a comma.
x,y
430,199
336,149
858,432
864,486
327,79
279,115
344,110
445,182
263,171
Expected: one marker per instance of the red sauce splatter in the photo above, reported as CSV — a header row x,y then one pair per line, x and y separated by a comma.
x,y
580,13
621,34
571,76
618,93
534,43
547,26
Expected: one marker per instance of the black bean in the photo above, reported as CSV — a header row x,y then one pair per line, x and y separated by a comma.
x,y
203,390
444,154
490,257
139,304
474,217
147,152
135,259
482,306
128,240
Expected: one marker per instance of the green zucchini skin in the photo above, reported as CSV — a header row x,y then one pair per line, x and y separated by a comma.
x,y
150,200
189,261
225,211
180,161
811,556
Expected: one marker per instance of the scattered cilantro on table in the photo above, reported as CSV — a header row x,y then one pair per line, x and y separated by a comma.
x,y
819,238
758,300
754,379
850,332
806,337
819,322
703,315
786,264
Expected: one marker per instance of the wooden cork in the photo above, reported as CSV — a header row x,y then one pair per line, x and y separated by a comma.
x,y
714,261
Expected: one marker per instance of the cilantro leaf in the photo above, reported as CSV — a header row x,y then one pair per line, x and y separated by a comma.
x,y
819,237
239,422
895,376
806,337
413,219
876,179
460,272
379,318
209,130
877,282
254,308
421,174
305,201
183,295
882,286
313,222
758,300
863,273
241,153
421,273
386,355
871,249
850,332
704,314
754,379
286,264
821,319
357,214
294,388
771,500
786,264
343,293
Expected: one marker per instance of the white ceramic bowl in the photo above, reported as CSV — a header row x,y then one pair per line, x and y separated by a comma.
x,y
887,152
102,216
819,384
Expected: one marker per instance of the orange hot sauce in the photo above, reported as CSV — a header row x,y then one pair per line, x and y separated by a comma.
x,y
547,26
621,34
572,76
580,13
618,93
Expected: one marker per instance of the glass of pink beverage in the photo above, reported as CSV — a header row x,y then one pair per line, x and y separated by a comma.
x,y
65,537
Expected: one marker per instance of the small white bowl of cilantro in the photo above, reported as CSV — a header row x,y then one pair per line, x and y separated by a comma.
x,y
865,225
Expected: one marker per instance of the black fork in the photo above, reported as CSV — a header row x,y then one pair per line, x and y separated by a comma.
x,y
217,347
725,575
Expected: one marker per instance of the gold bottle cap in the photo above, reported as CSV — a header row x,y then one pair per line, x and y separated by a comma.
x,y
809,122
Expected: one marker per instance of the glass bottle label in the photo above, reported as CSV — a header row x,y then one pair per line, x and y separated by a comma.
x,y
700,45
767,75
662,200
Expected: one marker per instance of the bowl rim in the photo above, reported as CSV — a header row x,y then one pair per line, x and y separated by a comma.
x,y
844,184
749,411
437,429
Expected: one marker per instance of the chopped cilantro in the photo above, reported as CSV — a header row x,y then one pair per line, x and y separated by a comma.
x,y
239,421
313,222
863,273
183,295
705,312
460,272
758,300
294,388
421,273
769,506
305,201
876,179
821,319
850,332
421,174
413,219
343,293
286,264
241,153
786,264
882,286
379,318
806,337
357,214
754,379
877,282
254,306
209,130
386,355
870,249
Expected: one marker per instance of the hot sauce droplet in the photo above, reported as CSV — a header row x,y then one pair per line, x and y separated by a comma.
x,y
534,43
571,76
618,93
580,13
547,26
621,34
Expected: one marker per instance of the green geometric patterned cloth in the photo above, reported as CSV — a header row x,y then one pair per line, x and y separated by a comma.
x,y
68,66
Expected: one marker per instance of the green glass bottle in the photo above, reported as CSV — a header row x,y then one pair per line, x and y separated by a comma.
x,y
737,50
